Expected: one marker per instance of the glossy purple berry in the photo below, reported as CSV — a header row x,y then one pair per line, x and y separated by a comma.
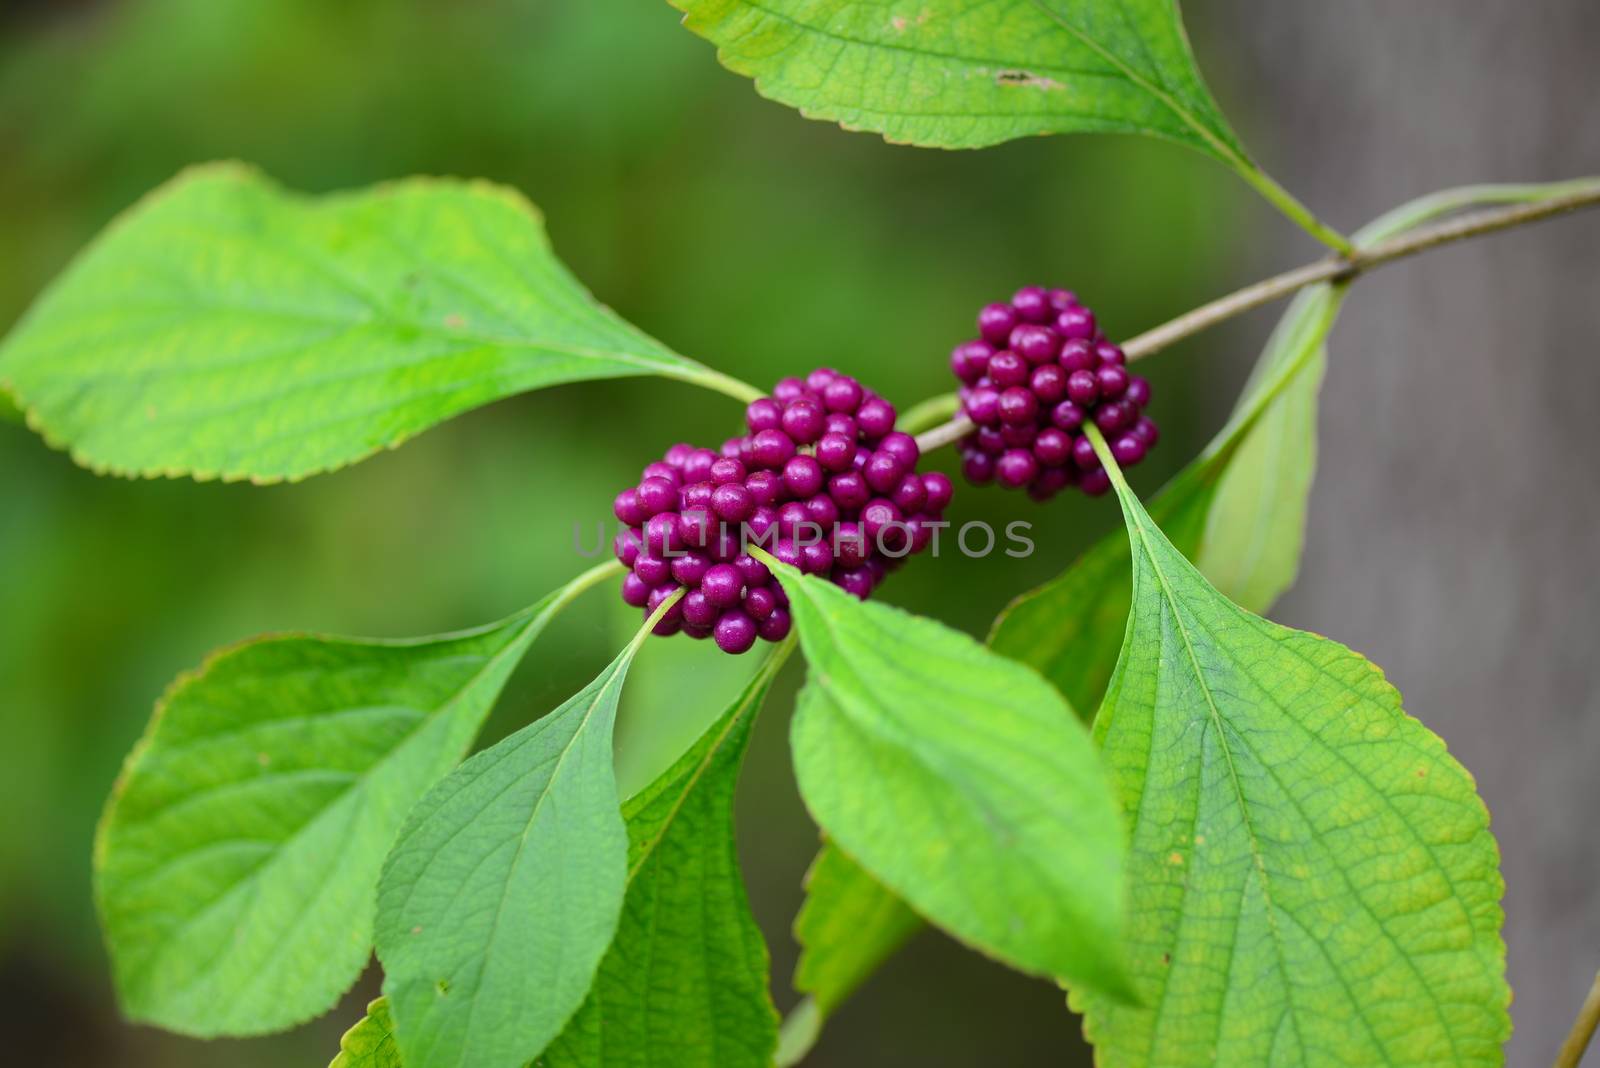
x,y
661,469
1077,355
1018,405
977,467
1128,450
883,471
849,490
697,465
727,469
1138,391
775,627
1076,322
1048,383
804,421
766,487
970,360
627,508
1112,417
787,389
1008,369
843,394
1016,468
1113,381
735,632
689,568
1052,446
1083,388
1036,344
698,611
1032,304
855,581
995,323
1109,354
835,452
771,448
1146,431
673,619
983,406
902,447
940,490
752,571
818,380
722,585
733,503
822,510
1095,482
910,494
635,590
626,546
1067,416
875,417
1083,454
802,475
764,413
760,603
661,533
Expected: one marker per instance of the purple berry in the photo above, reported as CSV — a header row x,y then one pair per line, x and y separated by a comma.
x,y
1067,416
902,447
1146,431
673,618
763,519
790,516
983,406
977,467
970,359
1138,392
1076,322
764,413
1048,383
1083,454
802,475
626,546
726,470
823,511
722,585
697,465
1083,388
803,421
733,503
734,448
786,390
635,590
818,380
843,394
696,495
760,603
910,494
775,627
878,516
661,469
697,527
1113,417
883,471
1018,405
991,440
839,423
856,581
677,454
995,323
1032,304
689,568
1113,381
771,448
735,632
875,417
1052,447
835,452
849,490
816,558
627,508
753,571
766,487
1036,344
1062,299
1008,369
698,611
661,533
1017,435
1109,354
1016,468
1128,450
940,490
850,546
1095,482
786,552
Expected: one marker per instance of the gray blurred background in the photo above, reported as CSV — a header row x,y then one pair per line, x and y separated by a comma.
x,y
1452,522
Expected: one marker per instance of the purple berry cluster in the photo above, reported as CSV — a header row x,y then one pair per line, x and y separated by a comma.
x,y
822,481
1038,372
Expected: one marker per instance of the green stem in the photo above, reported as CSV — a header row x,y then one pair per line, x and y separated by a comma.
x,y
1285,202
1582,1029
932,411
741,391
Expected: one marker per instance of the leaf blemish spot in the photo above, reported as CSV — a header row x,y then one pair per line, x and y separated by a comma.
x,y
1024,78
454,321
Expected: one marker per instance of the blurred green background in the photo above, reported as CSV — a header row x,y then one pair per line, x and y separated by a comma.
x,y
725,225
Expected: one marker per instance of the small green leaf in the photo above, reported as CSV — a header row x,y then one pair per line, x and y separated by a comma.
x,y
370,1043
1313,877
1239,508
504,888
964,74
235,864
226,328
849,925
688,970
9,412
961,781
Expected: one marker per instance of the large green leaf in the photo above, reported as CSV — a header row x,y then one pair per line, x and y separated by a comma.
x,y
969,73
370,1043
236,862
1313,878
687,969
850,923
226,328
961,781
504,888
685,981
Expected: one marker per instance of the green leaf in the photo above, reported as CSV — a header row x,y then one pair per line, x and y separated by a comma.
x,y
236,862
370,1043
1313,877
504,888
9,412
849,925
1239,508
227,328
971,73
961,781
964,74
688,970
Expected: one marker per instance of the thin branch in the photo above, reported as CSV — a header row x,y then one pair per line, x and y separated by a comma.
x,y
1582,1029
1585,194
1346,267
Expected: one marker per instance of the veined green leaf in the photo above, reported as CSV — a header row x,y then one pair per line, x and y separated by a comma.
x,y
850,923
504,888
236,862
687,969
961,781
226,328
685,981
1313,878
370,1043
964,73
